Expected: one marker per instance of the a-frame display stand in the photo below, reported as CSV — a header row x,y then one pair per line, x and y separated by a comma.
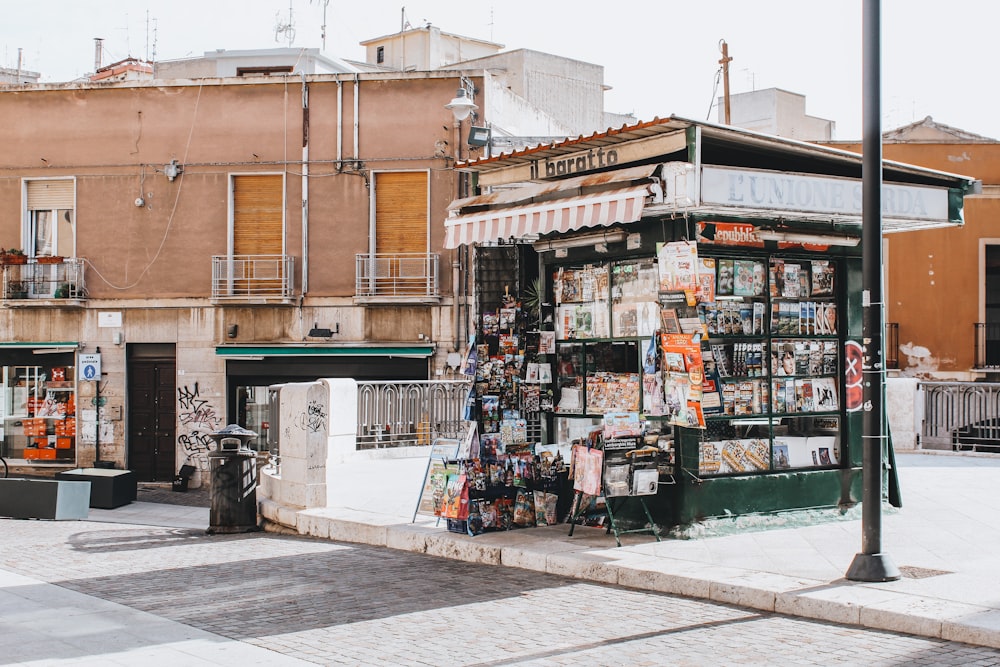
x,y
621,485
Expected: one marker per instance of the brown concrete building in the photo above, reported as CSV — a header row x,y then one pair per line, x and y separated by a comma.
x,y
217,235
238,221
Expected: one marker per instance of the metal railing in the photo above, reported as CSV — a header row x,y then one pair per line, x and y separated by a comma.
x,y
46,279
892,345
960,414
390,275
402,414
987,350
252,277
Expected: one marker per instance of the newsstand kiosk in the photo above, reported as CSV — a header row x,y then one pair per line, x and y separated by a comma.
x,y
700,294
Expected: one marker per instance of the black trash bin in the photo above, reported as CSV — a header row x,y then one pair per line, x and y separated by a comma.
x,y
233,482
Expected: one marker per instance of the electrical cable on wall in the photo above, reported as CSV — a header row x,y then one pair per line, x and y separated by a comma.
x,y
170,218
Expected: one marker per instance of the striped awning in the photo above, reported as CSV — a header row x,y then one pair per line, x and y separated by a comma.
x,y
557,215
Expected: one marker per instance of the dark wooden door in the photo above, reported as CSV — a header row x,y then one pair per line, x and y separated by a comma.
x,y
152,419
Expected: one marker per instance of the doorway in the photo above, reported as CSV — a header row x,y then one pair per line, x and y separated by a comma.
x,y
152,411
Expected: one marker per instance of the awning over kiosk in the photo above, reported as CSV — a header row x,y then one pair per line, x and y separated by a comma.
x,y
557,215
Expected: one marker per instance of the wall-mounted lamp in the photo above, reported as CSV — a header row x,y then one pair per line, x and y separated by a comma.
x,y
233,330
479,136
594,239
462,105
316,332
173,170
814,239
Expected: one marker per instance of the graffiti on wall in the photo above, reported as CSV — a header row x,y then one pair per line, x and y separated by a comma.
x,y
198,419
313,419
195,411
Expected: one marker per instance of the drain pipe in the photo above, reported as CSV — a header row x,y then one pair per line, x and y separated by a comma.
x,y
357,124
305,185
456,313
340,123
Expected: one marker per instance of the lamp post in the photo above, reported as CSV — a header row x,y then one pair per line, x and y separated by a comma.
x,y
872,564
461,107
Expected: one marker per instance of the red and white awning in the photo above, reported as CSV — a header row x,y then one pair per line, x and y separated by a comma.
x,y
558,215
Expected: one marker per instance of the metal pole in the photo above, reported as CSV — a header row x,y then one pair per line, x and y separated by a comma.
x,y
872,564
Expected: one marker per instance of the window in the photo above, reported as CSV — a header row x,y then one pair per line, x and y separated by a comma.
x,y
258,214
256,265
50,220
380,55
401,212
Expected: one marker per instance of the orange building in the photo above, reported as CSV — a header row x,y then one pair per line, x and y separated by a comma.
x,y
942,286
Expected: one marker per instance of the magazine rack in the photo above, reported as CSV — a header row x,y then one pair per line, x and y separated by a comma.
x,y
629,475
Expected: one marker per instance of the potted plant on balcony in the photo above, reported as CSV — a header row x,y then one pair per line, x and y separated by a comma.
x,y
17,289
49,259
13,256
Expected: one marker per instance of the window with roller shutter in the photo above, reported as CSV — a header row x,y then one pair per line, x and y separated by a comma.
x,y
258,233
401,265
401,212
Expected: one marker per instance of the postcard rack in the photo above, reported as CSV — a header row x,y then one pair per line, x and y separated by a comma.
x,y
629,474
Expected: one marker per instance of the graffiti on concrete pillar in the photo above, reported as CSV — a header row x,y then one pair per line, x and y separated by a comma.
x,y
313,418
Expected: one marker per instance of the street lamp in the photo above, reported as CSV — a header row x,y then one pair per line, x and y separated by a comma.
x,y
461,106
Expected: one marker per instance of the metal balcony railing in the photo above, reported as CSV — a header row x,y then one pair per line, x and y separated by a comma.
x,y
401,414
399,275
959,415
249,278
892,345
987,348
44,280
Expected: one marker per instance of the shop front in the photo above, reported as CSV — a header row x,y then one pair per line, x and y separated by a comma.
x,y
693,345
38,404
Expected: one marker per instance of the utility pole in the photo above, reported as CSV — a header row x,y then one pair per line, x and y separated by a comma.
x,y
725,76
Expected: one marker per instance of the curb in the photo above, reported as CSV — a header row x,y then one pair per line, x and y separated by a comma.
x,y
840,601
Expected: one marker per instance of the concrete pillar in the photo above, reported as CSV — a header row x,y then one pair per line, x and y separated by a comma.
x,y
302,444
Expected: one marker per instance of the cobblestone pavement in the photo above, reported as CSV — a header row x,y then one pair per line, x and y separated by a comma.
x,y
341,604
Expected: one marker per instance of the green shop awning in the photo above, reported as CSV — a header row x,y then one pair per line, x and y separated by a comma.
x,y
260,352
68,345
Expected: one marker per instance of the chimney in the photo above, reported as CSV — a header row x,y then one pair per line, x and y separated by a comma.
x,y
98,52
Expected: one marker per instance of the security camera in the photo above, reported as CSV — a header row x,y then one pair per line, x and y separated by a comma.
x,y
140,202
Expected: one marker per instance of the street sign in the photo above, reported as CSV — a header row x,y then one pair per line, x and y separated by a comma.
x,y
90,367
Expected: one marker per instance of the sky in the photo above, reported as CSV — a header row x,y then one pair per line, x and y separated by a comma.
x,y
660,57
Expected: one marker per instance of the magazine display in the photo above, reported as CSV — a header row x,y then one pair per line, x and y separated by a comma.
x,y
770,351
747,353
635,309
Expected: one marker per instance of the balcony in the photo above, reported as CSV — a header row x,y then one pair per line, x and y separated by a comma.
x,y
406,277
51,281
250,279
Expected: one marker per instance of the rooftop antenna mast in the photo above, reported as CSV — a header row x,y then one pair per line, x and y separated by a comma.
x,y
288,29
322,28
